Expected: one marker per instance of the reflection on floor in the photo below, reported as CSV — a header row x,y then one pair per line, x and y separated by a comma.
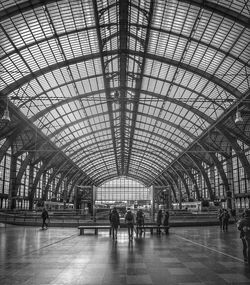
x,y
197,255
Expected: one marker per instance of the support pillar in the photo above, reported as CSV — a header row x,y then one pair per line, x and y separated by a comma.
x,y
12,186
229,192
31,194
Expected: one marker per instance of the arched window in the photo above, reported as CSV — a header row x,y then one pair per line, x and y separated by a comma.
x,y
123,189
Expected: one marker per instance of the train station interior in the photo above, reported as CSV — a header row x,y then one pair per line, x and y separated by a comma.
x,y
140,104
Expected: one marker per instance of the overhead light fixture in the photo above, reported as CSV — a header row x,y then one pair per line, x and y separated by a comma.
x,y
6,113
6,116
238,118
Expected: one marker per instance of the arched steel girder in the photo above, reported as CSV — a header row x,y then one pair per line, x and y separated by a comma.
x,y
138,86
103,141
141,178
98,172
210,77
9,140
77,179
212,148
58,131
86,95
204,174
170,182
69,180
180,175
137,140
4,148
197,112
98,169
200,168
22,126
234,16
63,176
148,159
221,171
218,165
37,178
106,85
195,40
215,8
220,10
51,178
153,162
191,176
50,157
20,173
233,142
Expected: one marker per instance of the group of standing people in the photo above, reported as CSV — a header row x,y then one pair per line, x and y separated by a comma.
x,y
162,219
131,220
223,216
114,219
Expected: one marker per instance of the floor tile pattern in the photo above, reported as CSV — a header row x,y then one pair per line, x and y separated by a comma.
x,y
58,256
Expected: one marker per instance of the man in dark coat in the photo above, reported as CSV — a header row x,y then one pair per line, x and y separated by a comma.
x,y
115,222
45,216
130,220
244,228
159,220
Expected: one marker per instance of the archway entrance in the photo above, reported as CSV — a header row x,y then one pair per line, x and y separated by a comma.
x,y
122,193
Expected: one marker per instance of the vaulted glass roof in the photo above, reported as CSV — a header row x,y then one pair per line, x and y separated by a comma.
x,y
124,87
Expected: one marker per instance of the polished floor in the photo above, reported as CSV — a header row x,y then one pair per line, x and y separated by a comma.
x,y
57,256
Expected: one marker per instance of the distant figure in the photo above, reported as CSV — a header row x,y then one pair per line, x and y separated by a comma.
x,y
140,220
225,220
45,216
114,222
233,214
220,215
166,221
243,226
159,220
130,220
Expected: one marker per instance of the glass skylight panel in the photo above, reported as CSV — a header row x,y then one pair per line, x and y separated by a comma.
x,y
240,6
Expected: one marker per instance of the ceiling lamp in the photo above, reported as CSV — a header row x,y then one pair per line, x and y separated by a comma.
x,y
238,118
6,113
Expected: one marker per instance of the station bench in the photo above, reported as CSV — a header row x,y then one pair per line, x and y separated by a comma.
x,y
165,229
95,228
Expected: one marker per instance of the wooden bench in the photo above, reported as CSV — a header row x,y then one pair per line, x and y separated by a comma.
x,y
95,228
151,228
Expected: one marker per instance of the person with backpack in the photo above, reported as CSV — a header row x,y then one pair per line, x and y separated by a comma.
x,y
140,220
114,222
243,226
45,216
159,220
130,220
166,221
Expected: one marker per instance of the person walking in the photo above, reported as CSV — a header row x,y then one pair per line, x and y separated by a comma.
x,y
115,222
140,221
130,220
45,216
159,220
243,226
166,221
225,220
220,215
